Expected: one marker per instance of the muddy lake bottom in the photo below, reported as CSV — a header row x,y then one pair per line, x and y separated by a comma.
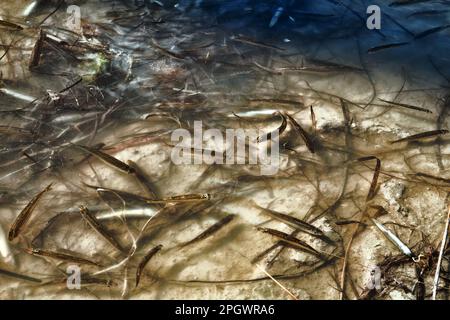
x,y
94,96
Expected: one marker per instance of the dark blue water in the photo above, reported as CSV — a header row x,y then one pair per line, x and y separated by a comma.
x,y
313,27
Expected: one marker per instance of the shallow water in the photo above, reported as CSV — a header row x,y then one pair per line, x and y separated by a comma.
x,y
138,72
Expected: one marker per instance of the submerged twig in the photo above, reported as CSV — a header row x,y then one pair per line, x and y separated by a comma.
x,y
441,254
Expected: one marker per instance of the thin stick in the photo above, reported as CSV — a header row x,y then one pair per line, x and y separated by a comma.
x,y
346,257
277,282
441,253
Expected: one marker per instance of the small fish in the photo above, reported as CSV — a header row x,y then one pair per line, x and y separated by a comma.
x,y
345,222
11,274
297,224
92,221
183,198
130,213
106,158
211,230
305,136
144,262
386,46
37,50
277,14
9,25
59,256
313,118
422,135
406,106
255,43
254,113
292,241
278,131
25,214
376,173
431,31
394,239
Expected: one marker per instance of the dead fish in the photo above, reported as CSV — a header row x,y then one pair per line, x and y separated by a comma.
x,y
394,239
431,31
292,241
277,131
19,276
406,106
386,46
129,213
211,230
303,134
144,262
422,135
92,221
106,158
25,214
59,256
297,224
